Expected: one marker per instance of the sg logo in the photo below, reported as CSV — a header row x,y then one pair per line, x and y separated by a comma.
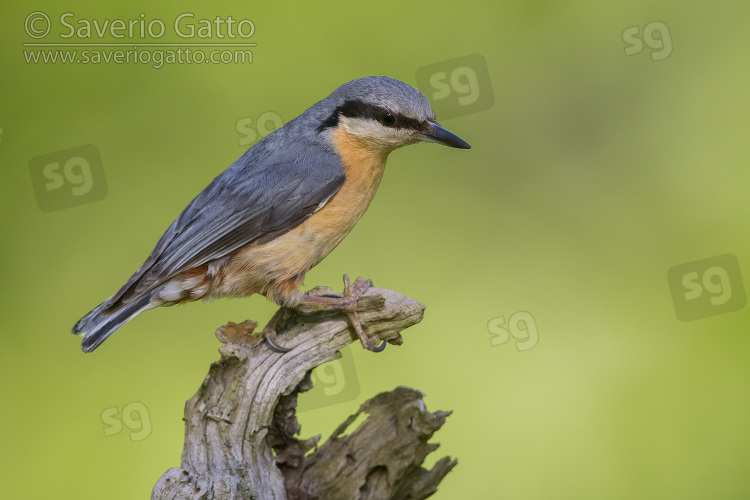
x,y
661,45
68,178
333,383
134,416
707,287
457,87
250,130
521,326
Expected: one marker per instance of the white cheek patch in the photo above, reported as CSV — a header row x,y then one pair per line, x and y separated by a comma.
x,y
372,129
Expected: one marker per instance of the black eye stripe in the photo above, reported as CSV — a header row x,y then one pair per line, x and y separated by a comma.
x,y
359,109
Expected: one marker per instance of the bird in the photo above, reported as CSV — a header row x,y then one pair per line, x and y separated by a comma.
x,y
280,209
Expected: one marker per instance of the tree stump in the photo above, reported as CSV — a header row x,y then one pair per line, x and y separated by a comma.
x,y
240,426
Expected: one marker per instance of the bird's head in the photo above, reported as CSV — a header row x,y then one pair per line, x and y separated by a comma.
x,y
384,113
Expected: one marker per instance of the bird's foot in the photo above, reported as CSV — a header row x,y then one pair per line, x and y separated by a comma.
x,y
348,304
269,333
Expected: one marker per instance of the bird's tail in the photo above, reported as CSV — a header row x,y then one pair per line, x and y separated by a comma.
x,y
97,325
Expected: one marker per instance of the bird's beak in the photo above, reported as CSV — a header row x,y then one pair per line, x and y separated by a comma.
x,y
438,134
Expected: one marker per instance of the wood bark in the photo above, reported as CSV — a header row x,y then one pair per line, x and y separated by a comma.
x,y
240,426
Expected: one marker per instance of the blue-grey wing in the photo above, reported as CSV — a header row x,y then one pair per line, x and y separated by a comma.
x,y
243,204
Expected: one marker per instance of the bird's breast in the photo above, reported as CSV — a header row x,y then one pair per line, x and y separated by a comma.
x,y
364,164
323,231
290,255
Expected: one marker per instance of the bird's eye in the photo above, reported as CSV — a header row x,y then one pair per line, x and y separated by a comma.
x,y
389,120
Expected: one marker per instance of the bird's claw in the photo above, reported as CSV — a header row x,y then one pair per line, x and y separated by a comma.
x,y
353,291
347,303
269,333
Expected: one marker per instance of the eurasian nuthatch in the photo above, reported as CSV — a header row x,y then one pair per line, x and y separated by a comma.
x,y
279,209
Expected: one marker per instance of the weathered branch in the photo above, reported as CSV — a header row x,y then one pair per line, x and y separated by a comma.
x,y
245,411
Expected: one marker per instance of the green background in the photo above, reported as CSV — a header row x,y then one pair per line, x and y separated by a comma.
x,y
591,176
